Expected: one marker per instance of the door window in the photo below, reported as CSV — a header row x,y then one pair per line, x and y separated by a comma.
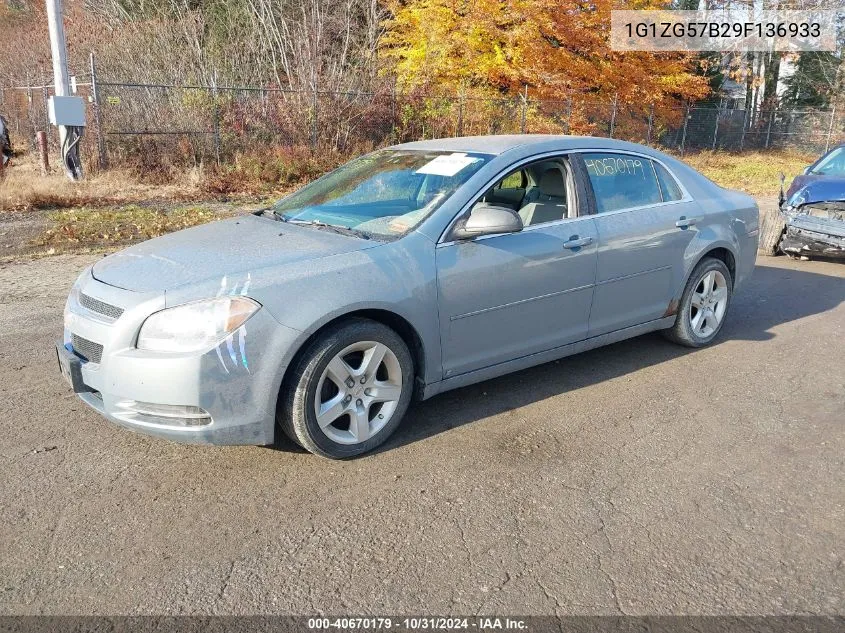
x,y
621,181
541,192
509,191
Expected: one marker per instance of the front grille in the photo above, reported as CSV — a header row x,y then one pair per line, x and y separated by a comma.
x,y
85,349
100,307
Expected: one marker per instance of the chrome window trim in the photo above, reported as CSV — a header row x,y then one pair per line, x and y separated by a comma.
x,y
491,182
561,154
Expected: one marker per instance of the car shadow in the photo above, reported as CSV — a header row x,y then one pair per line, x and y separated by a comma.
x,y
775,295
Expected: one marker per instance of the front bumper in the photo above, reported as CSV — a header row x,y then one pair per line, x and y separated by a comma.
x,y
816,228
236,384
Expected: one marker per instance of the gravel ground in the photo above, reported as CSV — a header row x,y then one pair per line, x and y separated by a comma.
x,y
641,478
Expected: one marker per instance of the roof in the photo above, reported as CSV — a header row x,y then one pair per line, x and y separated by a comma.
x,y
498,144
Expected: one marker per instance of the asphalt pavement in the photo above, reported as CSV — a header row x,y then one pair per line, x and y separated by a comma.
x,y
641,478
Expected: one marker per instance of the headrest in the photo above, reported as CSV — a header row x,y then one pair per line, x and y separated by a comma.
x,y
551,183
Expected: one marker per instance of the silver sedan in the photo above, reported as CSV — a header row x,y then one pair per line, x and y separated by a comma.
x,y
405,273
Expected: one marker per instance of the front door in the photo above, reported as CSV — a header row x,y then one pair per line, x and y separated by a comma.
x,y
513,295
503,297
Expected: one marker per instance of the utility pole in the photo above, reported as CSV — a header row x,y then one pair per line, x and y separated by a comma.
x,y
66,112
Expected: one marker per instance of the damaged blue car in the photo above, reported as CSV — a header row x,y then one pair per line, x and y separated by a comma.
x,y
813,209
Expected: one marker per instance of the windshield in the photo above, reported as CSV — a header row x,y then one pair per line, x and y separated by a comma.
x,y
386,193
831,165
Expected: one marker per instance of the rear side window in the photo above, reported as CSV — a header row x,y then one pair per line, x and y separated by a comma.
x,y
621,181
668,185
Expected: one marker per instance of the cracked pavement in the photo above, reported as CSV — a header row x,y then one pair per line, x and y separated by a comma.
x,y
641,478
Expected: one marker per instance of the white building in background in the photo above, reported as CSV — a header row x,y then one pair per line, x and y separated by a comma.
x,y
734,66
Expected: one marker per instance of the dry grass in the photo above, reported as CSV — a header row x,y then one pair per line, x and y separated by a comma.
x,y
101,212
273,173
249,177
108,227
25,188
755,173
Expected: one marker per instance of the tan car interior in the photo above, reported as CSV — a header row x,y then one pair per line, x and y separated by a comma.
x,y
543,195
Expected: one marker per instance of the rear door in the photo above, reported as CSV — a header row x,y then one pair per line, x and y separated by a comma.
x,y
645,220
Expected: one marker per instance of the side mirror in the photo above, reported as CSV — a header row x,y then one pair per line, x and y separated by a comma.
x,y
487,219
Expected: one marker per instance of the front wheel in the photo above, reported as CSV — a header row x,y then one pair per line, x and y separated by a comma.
x,y
348,391
704,304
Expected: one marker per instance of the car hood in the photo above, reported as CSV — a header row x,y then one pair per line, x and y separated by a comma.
x,y
215,250
817,188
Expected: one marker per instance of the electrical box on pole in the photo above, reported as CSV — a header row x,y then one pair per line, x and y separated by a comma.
x,y
65,111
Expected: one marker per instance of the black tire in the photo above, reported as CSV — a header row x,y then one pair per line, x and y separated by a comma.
x,y
681,332
772,228
296,415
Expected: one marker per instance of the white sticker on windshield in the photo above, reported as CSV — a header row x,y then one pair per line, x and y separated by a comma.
x,y
446,165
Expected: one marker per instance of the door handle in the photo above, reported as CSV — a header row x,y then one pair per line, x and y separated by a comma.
x,y
576,242
685,222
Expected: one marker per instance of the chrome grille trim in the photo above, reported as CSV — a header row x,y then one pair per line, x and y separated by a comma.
x,y
100,307
85,349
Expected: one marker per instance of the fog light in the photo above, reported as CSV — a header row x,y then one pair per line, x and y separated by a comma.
x,y
184,415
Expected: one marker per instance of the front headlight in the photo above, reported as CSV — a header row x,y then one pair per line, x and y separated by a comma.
x,y
195,326
73,299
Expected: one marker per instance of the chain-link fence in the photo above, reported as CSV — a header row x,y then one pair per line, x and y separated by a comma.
x,y
150,124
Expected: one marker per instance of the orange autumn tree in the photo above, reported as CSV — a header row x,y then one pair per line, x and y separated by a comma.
x,y
559,49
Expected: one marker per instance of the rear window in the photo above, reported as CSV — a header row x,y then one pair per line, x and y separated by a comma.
x,y
668,185
621,181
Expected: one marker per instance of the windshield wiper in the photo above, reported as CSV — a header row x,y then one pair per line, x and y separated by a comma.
x,y
269,211
335,228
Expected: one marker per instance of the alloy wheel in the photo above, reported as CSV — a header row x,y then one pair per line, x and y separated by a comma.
x,y
708,304
358,392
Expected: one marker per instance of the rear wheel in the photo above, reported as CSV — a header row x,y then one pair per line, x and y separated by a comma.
x,y
349,390
704,304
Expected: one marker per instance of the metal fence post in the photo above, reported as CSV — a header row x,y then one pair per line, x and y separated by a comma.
x,y
103,160
716,128
460,126
314,119
30,115
45,94
524,96
216,129
43,154
772,115
830,129
684,135
613,114
650,124
393,113
745,120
